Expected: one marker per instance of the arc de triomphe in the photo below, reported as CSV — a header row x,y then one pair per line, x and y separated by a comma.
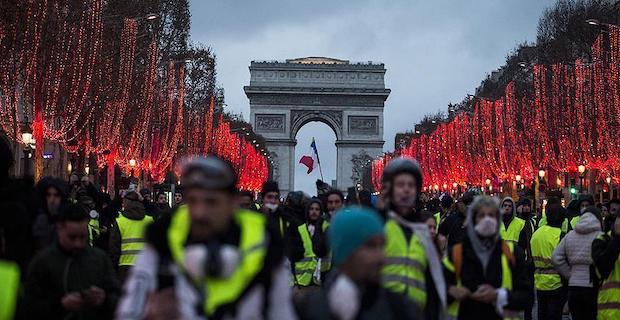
x,y
348,97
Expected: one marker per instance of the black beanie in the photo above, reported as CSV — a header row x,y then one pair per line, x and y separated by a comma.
x,y
270,186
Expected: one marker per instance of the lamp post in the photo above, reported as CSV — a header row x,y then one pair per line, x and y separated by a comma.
x,y
488,182
132,164
29,144
608,180
582,169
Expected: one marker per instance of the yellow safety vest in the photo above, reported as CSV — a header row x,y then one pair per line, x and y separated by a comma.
x,y
9,279
574,221
437,220
543,242
513,231
93,230
609,294
405,264
453,308
543,222
304,268
132,238
252,246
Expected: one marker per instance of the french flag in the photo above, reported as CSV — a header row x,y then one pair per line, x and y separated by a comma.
x,y
311,161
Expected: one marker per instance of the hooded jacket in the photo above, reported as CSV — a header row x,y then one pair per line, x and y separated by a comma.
x,y
573,256
43,230
134,210
526,232
319,239
474,273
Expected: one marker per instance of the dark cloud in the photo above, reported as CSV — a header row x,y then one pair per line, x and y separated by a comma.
x,y
435,52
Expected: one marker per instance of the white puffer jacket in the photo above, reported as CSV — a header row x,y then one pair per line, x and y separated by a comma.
x,y
573,256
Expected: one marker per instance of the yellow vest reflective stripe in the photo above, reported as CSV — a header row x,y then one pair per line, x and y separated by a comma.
x,y
304,268
405,264
9,279
543,242
252,246
132,238
453,308
609,295
513,231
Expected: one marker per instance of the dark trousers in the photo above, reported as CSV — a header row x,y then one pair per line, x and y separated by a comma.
x,y
551,303
582,303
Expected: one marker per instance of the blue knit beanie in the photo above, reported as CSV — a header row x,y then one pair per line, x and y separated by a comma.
x,y
349,230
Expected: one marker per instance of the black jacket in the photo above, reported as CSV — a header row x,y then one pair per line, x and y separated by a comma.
x,y
452,228
472,276
53,273
376,303
605,252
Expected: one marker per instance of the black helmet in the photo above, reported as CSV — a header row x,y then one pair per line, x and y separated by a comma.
x,y
209,173
400,165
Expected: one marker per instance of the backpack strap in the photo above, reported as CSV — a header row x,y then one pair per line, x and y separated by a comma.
x,y
507,251
457,259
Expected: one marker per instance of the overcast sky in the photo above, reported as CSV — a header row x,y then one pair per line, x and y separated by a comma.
x,y
435,51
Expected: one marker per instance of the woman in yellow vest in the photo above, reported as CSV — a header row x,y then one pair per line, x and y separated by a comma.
x,y
309,251
412,264
606,256
550,291
486,276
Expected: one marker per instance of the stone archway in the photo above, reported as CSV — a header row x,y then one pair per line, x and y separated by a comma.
x,y
348,97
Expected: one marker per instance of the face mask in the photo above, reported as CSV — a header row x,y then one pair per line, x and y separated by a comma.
x,y
486,227
271,206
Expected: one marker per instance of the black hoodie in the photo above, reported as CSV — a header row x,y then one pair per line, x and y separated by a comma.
x,y
319,239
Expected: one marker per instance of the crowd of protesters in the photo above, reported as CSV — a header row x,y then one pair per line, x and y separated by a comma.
x,y
70,251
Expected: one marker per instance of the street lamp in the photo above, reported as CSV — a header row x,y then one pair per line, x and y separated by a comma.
x,y
132,162
558,181
541,173
582,169
608,180
151,16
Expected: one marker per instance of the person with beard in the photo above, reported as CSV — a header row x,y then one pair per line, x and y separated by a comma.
x,y
161,205
127,234
357,241
550,291
412,267
209,259
309,252
70,279
486,276
335,202
573,260
452,227
53,196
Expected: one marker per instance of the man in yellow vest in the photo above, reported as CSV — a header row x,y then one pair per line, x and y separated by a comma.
x,y
309,248
512,228
412,265
550,291
209,259
127,234
606,257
